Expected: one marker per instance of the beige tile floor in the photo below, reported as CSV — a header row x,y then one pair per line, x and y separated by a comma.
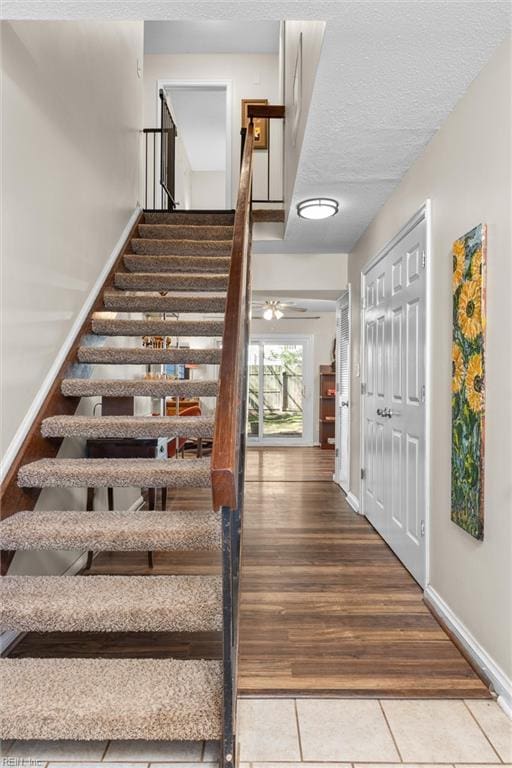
x,y
317,733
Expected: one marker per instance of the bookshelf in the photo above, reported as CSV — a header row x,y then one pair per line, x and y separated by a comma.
x,y
327,407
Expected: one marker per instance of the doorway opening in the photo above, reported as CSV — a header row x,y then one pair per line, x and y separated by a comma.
x,y
280,390
201,110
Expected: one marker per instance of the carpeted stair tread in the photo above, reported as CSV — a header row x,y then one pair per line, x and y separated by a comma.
x,y
111,603
186,231
139,387
98,699
128,301
191,264
152,246
116,473
268,214
96,427
170,281
116,327
148,356
132,531
200,218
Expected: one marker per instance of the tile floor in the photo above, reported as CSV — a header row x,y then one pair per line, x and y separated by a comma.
x,y
322,733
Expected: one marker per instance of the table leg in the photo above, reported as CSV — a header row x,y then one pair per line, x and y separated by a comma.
x,y
110,499
89,507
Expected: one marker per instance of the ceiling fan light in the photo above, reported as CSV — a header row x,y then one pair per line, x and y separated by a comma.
x,y
278,314
267,313
317,208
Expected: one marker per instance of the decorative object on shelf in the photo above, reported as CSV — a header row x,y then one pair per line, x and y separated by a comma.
x,y
468,381
326,408
260,124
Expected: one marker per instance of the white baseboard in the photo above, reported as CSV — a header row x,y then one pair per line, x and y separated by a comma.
x,y
353,501
23,429
491,671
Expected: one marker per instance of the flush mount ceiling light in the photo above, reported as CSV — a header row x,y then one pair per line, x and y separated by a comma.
x,y
318,208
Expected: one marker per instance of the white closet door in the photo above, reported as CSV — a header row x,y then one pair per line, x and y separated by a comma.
x,y
343,392
393,485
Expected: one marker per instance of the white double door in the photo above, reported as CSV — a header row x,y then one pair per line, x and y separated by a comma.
x,y
394,322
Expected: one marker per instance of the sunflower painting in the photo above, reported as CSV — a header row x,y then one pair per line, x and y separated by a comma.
x,y
468,378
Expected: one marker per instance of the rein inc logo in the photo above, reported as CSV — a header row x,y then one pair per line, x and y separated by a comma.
x,y
22,762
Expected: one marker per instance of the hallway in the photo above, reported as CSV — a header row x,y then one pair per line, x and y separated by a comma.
x,y
326,606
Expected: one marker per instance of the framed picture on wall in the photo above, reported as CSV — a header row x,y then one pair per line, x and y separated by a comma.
x,y
260,124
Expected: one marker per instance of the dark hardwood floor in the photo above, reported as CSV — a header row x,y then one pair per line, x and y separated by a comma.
x,y
326,607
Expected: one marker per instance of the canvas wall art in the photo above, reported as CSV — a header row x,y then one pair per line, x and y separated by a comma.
x,y
468,381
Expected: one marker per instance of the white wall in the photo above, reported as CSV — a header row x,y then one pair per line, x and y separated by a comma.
x,y
322,331
253,76
183,176
71,115
208,189
312,37
306,272
466,171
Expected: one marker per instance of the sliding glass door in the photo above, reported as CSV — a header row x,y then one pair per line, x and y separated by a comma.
x,y
280,390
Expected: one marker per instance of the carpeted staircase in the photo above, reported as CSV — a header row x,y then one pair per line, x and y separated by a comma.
x,y
175,263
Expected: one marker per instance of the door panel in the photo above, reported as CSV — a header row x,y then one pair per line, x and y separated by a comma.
x,y
394,376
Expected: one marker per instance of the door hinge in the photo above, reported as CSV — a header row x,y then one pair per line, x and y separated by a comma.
x,y
363,474
423,259
363,388
336,452
422,393
422,528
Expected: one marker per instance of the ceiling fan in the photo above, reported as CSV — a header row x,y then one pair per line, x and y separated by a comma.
x,y
273,309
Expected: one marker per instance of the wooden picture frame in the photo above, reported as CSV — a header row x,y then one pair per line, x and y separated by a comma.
x,y
260,124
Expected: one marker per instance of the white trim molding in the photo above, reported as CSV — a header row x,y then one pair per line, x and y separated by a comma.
x,y
490,670
353,501
37,402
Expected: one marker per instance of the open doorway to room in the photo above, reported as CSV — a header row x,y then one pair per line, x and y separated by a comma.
x,y
201,110
280,390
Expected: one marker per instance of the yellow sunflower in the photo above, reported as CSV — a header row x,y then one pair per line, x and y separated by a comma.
x,y
476,265
458,255
469,312
457,367
475,383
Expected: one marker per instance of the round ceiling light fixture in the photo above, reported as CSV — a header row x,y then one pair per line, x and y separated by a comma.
x,y
318,208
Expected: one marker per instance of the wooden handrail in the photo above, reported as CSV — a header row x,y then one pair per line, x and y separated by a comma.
x,y
265,110
225,452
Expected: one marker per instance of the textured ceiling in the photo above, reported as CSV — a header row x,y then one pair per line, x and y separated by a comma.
x,y
389,74
211,37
